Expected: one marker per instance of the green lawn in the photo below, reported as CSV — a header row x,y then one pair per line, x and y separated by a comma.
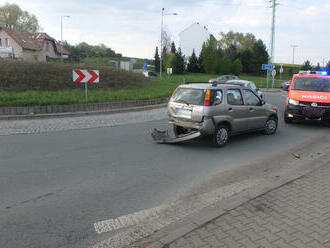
x,y
159,88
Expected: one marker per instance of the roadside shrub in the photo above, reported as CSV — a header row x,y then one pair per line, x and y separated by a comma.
x,y
22,76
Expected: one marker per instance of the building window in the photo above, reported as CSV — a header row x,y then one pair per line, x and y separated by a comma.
x,y
6,42
47,46
0,42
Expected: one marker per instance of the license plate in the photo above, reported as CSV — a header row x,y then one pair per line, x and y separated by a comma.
x,y
184,112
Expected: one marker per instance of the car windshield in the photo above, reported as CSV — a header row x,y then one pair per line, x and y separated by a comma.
x,y
312,84
189,96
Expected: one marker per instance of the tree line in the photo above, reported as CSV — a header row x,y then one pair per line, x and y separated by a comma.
x,y
83,50
307,66
233,53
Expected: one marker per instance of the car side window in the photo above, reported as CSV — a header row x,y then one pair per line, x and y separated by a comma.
x,y
217,97
251,98
234,97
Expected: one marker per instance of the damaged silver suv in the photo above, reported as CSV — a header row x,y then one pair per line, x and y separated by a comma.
x,y
217,110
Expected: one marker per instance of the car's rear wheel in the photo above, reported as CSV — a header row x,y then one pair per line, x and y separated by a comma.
x,y
271,126
221,136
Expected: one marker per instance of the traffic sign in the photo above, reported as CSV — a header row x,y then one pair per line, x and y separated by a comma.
x,y
267,67
145,66
273,73
86,76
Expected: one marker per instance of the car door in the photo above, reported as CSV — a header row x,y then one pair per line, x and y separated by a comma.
x,y
236,110
256,111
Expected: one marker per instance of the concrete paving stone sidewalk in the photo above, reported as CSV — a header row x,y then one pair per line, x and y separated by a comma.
x,y
295,215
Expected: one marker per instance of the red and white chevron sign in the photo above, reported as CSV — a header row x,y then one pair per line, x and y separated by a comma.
x,y
86,76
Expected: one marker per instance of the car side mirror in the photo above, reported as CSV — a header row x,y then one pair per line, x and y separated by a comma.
x,y
262,102
257,89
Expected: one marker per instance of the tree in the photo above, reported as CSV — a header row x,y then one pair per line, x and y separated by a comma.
x,y
208,55
84,50
180,66
259,57
307,66
224,65
165,58
237,67
193,65
327,67
157,60
239,40
246,59
231,52
176,62
317,67
166,40
12,16
173,49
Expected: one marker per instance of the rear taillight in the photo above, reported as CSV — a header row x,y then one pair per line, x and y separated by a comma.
x,y
207,99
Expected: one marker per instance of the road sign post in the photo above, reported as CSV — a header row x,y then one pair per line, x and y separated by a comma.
x,y
281,71
273,77
267,67
169,72
86,76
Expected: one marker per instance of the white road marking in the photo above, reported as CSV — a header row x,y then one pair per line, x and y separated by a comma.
x,y
143,223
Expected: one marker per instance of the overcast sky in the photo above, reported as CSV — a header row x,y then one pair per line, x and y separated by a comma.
x,y
132,27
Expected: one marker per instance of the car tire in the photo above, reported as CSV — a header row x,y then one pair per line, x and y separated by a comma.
x,y
271,126
221,136
178,130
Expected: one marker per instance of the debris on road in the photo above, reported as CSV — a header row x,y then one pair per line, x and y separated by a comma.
x,y
164,137
296,155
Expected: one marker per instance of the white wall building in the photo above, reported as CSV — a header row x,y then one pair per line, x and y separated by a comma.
x,y
192,38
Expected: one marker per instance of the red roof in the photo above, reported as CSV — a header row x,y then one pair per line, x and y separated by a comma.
x,y
33,41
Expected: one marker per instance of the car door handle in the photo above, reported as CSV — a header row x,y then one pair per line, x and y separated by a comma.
x,y
230,110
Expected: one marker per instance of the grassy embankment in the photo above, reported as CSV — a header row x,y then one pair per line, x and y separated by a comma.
x,y
24,84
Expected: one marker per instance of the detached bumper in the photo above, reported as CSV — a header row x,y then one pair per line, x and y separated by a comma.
x,y
206,127
164,137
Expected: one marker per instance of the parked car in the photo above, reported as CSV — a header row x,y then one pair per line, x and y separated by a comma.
x,y
247,84
149,74
218,110
285,85
223,78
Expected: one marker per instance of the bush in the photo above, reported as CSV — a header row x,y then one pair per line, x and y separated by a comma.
x,y
22,76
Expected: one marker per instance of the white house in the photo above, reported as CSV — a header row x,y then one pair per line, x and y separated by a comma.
x,y
192,38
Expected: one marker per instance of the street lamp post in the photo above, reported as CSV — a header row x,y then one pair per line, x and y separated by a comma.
x,y
293,48
161,40
62,35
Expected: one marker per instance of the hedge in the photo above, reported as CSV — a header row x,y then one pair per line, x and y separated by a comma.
x,y
22,76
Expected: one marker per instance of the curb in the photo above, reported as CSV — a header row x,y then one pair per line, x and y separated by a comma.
x,y
83,113
164,237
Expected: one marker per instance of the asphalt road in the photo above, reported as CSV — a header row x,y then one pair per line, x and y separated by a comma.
x,y
55,185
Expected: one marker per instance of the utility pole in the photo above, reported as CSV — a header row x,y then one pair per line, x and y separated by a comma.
x,y
293,49
272,38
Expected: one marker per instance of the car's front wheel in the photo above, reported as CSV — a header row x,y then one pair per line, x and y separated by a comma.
x,y
287,120
221,136
271,125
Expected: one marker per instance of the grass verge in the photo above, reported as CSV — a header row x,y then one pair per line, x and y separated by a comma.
x,y
158,88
